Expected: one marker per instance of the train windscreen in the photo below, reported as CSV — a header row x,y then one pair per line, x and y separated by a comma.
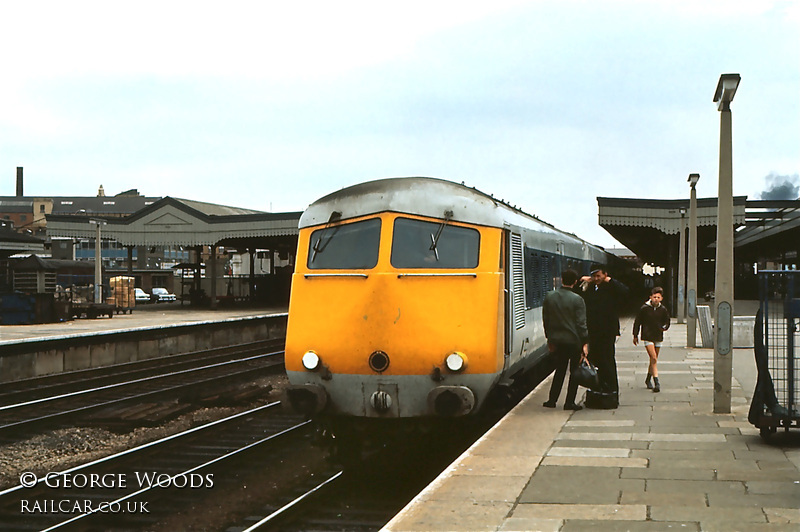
x,y
352,246
420,244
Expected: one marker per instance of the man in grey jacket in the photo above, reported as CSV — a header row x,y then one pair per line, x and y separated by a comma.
x,y
564,317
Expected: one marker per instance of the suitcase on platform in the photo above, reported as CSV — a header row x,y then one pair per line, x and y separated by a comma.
x,y
601,400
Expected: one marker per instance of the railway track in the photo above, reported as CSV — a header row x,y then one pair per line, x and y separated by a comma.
x,y
149,484
368,493
344,501
266,471
166,384
66,382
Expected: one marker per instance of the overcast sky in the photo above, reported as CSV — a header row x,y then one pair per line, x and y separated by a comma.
x,y
270,105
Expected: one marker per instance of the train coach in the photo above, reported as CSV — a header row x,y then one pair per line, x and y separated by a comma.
x,y
417,298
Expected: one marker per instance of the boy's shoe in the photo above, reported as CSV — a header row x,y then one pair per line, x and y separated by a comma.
x,y
573,406
549,404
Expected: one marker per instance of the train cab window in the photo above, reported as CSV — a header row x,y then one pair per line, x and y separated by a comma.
x,y
352,246
419,244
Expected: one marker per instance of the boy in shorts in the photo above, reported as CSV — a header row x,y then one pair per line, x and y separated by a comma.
x,y
653,320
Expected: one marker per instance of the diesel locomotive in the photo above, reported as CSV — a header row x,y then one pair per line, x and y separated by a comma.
x,y
416,298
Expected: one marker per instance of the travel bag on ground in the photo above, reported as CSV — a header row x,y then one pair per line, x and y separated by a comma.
x,y
601,400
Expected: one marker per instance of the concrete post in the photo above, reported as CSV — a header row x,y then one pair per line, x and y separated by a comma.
x,y
212,259
252,278
198,261
681,311
98,262
130,260
723,280
691,277
98,267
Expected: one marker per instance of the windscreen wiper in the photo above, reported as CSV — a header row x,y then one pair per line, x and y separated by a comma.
x,y
320,245
448,215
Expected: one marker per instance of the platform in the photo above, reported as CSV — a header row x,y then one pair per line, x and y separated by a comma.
x,y
143,316
30,351
661,461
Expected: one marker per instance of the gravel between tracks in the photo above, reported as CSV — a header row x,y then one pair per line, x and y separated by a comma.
x,y
64,448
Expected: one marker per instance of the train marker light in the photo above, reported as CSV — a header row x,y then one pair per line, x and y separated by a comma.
x,y
311,360
456,361
378,361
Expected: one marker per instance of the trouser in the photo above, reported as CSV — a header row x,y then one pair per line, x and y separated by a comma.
x,y
602,355
565,355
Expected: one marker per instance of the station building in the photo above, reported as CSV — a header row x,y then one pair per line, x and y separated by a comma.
x,y
194,249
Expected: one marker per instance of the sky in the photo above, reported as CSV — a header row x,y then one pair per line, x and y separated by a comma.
x,y
270,105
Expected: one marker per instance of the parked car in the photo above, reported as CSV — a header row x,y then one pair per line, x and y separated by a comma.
x,y
141,296
163,295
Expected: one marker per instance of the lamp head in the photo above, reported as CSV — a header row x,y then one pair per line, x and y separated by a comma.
x,y
693,179
726,89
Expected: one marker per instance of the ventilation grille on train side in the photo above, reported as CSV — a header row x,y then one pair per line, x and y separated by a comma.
x,y
517,281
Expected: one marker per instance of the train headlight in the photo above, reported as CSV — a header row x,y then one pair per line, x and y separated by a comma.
x,y
456,362
311,360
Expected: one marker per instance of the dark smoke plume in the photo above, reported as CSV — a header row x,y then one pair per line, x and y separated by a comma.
x,y
782,187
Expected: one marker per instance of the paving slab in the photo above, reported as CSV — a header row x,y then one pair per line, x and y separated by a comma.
x,y
628,526
708,515
640,445
593,461
652,498
521,524
669,473
725,488
576,485
614,512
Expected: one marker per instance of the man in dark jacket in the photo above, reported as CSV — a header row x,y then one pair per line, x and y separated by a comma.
x,y
603,297
564,319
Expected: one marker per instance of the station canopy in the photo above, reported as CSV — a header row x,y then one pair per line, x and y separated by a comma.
x,y
764,229
180,222
649,227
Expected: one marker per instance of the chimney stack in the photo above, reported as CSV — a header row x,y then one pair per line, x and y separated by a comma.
x,y
19,182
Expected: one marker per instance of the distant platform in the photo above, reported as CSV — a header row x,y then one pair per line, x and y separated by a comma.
x,y
142,317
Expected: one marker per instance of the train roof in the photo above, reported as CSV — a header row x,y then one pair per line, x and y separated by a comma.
x,y
423,196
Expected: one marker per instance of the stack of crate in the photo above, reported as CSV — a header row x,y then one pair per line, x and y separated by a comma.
x,y
122,293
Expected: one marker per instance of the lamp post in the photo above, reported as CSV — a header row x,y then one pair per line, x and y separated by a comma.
x,y
723,280
98,262
681,310
691,277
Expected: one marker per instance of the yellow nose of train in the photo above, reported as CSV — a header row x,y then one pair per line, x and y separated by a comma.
x,y
390,341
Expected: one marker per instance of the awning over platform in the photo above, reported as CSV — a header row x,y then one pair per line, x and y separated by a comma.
x,y
649,227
